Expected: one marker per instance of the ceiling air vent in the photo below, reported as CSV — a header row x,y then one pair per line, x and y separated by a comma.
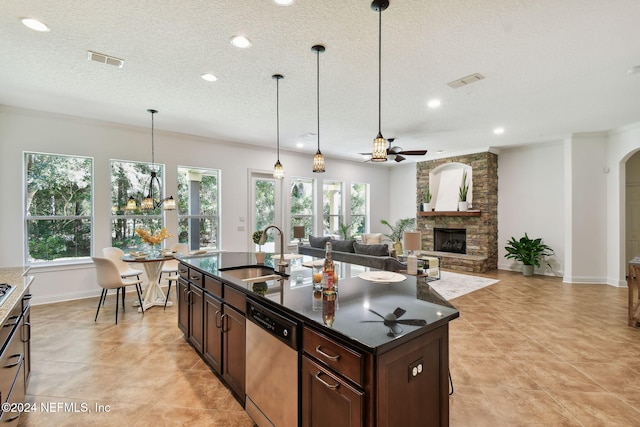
x,y
465,80
105,59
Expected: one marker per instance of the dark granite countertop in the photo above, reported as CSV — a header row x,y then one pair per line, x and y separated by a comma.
x,y
357,297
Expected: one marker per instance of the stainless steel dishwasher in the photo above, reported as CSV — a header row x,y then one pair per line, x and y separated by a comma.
x,y
272,367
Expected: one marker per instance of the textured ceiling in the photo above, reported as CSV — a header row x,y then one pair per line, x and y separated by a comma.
x,y
551,68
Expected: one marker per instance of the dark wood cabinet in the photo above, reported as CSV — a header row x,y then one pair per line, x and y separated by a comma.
x,y
25,334
15,356
213,332
183,305
195,300
234,347
413,382
328,400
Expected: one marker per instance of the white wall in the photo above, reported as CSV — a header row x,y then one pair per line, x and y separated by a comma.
x,y
531,200
26,130
403,202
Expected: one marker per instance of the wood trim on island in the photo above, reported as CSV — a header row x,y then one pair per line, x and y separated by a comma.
x,y
451,213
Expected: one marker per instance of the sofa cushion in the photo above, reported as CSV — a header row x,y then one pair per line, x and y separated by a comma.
x,y
318,242
376,250
372,238
342,245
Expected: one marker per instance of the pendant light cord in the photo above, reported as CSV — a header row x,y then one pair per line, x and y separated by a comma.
x,y
153,162
379,68
278,118
318,94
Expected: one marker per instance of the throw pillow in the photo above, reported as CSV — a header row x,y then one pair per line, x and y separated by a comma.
x,y
376,250
372,238
318,242
342,245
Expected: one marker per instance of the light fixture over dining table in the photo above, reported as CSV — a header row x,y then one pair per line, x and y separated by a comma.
x,y
152,201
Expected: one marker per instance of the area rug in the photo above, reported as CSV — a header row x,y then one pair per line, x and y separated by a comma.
x,y
453,285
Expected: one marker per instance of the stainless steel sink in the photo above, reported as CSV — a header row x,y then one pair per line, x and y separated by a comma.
x,y
252,274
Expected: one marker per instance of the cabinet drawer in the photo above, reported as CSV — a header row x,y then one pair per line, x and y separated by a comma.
x,y
196,278
213,286
235,298
342,359
10,362
183,271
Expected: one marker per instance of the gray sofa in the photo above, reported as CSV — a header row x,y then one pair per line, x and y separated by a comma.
x,y
353,252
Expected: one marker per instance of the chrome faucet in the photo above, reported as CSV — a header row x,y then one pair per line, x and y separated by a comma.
x,y
282,265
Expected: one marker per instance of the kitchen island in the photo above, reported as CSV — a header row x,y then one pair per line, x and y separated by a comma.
x,y
361,371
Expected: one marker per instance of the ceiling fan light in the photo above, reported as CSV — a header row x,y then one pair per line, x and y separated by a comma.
x,y
318,162
278,170
379,153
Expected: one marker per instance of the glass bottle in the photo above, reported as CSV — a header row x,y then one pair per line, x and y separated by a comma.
x,y
329,294
328,269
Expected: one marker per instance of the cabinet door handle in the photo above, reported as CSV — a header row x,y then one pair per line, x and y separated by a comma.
x,y
19,356
26,325
330,386
328,356
224,324
218,316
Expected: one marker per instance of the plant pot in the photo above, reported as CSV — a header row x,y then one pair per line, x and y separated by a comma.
x,y
260,257
527,270
398,247
426,207
463,206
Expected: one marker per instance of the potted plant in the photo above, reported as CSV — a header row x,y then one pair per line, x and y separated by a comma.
x,y
256,236
426,200
528,251
397,231
345,234
464,189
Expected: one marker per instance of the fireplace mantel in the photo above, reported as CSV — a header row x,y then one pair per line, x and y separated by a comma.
x,y
451,213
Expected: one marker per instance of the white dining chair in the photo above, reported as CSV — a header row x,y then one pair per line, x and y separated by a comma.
x,y
115,255
170,268
108,277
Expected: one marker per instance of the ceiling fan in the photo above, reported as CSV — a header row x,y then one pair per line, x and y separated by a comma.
x,y
398,152
392,320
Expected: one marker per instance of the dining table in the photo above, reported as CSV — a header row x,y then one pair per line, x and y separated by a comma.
x,y
153,295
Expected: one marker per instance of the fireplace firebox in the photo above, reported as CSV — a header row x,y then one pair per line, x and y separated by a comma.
x,y
450,240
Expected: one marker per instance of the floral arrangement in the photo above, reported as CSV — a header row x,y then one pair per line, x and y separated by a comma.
x,y
153,239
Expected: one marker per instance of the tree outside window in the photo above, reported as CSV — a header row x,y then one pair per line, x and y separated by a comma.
x,y
131,179
359,208
302,205
198,208
332,207
58,207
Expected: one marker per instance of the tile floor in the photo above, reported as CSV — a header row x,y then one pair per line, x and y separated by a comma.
x,y
524,352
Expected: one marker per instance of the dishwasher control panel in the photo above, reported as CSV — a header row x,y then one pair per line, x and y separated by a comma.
x,y
276,324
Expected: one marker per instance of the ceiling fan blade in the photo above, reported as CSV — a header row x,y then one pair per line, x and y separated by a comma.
x,y
413,322
376,313
413,152
366,154
398,312
399,158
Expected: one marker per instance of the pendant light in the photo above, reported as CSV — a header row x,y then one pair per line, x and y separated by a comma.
x,y
149,202
379,152
278,170
318,159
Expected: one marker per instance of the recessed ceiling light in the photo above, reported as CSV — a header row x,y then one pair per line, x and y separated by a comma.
x,y
284,2
498,131
440,151
209,77
434,103
634,70
35,25
240,41
299,145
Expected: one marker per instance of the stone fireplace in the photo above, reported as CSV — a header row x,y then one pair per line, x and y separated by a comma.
x,y
479,225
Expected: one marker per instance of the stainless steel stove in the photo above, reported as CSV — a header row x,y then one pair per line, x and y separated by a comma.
x,y
5,291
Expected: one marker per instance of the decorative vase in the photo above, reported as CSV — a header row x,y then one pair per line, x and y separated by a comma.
x,y
153,252
397,245
426,207
260,257
527,270
462,206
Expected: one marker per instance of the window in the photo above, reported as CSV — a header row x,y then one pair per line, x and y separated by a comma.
x,y
58,207
359,208
332,207
302,205
131,179
199,207
265,196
